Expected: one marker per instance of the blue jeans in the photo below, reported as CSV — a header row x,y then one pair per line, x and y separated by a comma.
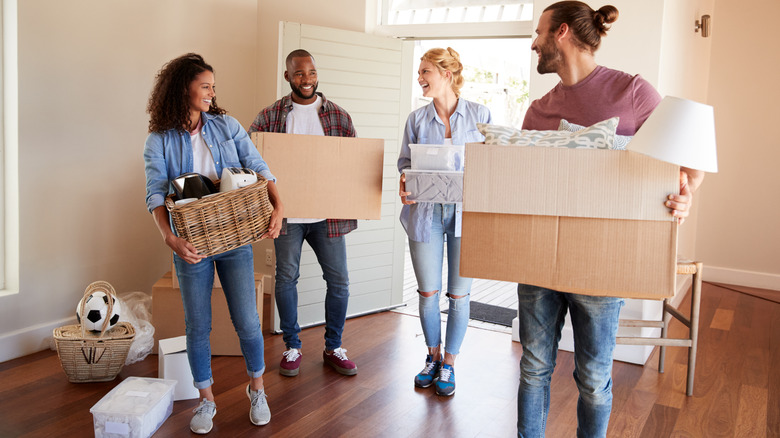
x,y
595,323
331,254
427,260
237,274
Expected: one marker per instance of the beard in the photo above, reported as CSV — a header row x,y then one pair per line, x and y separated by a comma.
x,y
299,92
549,59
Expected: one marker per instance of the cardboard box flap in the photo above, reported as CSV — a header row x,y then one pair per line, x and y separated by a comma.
x,y
592,183
325,177
172,345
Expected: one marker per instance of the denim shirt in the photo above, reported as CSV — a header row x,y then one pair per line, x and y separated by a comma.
x,y
424,126
169,154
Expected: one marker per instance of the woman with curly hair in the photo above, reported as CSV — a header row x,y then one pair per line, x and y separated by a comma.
x,y
188,132
447,120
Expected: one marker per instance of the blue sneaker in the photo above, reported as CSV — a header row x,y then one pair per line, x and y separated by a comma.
x,y
425,378
445,385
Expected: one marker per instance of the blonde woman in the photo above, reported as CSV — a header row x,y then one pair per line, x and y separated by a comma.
x,y
447,120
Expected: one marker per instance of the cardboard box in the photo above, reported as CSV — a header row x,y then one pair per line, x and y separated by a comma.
x,y
325,177
172,364
168,316
574,220
135,408
434,186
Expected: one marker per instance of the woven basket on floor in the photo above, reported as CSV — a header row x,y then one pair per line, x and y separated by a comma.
x,y
224,221
90,356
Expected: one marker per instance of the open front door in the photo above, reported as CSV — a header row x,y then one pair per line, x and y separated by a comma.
x,y
364,74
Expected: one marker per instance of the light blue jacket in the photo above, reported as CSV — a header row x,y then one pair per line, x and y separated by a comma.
x,y
424,126
169,154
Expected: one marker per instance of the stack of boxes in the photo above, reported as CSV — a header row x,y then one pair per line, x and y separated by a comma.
x,y
436,174
168,314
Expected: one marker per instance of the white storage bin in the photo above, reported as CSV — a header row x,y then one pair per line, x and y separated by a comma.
x,y
437,157
135,408
441,187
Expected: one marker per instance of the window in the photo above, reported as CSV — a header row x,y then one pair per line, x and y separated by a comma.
x,y
455,18
493,38
496,73
399,12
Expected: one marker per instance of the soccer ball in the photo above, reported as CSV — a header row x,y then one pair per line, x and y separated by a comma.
x,y
95,310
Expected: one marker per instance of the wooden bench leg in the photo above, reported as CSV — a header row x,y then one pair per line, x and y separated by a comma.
x,y
695,308
665,316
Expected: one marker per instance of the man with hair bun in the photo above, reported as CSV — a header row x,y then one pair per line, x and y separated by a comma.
x,y
568,35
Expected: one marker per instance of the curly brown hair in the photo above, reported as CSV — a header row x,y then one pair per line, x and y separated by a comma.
x,y
169,102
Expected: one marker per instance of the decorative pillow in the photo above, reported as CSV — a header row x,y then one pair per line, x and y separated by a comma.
x,y
620,140
599,136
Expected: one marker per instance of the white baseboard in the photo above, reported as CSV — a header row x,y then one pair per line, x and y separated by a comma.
x,y
738,277
29,340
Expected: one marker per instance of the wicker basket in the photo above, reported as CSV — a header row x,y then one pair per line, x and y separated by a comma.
x,y
94,357
223,221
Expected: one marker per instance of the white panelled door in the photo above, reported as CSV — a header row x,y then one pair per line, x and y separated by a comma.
x,y
364,74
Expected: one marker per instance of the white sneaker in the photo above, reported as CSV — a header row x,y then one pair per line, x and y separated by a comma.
x,y
201,423
259,412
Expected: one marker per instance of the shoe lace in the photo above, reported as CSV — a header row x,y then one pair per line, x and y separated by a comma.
x,y
258,398
341,353
291,354
444,374
428,367
204,407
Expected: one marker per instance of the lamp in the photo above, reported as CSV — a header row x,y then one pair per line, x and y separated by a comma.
x,y
704,25
681,132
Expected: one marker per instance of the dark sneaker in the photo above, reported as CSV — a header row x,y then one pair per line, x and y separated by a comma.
x,y
425,378
291,362
259,412
201,423
338,360
445,385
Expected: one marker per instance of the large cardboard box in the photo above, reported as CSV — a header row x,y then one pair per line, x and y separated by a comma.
x,y
325,177
574,220
168,316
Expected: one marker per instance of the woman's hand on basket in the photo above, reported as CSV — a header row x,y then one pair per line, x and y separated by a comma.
x,y
275,224
403,193
184,249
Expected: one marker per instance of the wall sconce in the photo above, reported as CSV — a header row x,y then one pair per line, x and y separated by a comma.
x,y
704,25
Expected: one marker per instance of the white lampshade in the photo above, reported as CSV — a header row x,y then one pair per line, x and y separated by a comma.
x,y
679,131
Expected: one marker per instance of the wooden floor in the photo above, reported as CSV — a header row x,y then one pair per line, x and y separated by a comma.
x,y
737,391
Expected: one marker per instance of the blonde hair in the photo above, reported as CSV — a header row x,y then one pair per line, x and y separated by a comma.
x,y
447,60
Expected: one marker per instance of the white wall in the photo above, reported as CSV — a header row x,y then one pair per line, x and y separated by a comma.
x,y
740,239
86,68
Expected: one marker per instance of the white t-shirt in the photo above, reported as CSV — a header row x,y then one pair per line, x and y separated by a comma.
x,y
202,161
305,119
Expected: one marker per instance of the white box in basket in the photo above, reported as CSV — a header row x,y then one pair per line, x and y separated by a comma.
x,y
135,408
437,157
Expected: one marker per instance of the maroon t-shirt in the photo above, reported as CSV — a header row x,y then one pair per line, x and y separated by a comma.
x,y
604,94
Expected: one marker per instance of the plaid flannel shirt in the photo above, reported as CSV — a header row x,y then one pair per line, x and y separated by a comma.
x,y
335,122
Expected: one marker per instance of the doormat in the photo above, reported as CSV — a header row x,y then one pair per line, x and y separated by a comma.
x,y
490,313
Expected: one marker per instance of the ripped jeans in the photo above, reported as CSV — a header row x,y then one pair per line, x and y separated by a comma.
x,y
428,259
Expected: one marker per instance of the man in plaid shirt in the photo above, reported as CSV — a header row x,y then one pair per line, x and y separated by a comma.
x,y
305,111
